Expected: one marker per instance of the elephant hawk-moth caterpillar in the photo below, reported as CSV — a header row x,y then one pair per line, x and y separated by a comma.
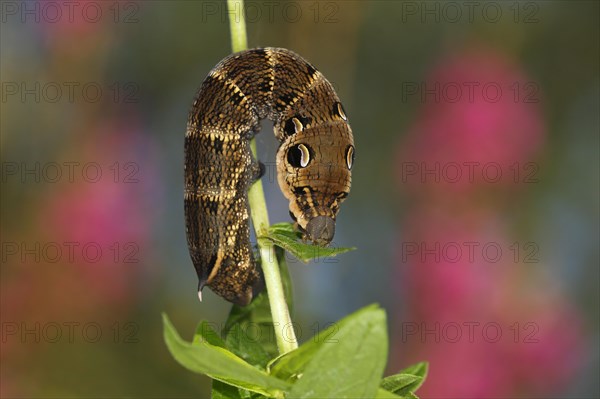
x,y
314,160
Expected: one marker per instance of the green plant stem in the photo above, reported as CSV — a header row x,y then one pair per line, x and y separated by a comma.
x,y
270,267
237,25
260,217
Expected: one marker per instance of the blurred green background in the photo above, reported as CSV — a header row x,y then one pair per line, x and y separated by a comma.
x,y
95,96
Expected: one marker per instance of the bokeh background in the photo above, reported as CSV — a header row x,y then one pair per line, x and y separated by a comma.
x,y
474,205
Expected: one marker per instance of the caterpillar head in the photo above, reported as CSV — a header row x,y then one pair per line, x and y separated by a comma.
x,y
314,173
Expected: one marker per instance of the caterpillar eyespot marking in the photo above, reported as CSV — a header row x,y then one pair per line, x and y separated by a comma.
x,y
296,124
339,109
313,161
350,157
298,156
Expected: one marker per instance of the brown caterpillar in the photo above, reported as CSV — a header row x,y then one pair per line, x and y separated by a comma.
x,y
313,161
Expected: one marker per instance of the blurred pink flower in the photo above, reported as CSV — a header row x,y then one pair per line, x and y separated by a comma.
x,y
480,111
114,214
461,291
109,202
460,300
101,223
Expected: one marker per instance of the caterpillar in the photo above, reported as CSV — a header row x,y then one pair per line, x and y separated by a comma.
x,y
314,161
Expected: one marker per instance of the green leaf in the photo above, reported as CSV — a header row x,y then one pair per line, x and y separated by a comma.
x,y
220,364
353,366
419,369
285,228
238,344
407,381
255,316
258,311
245,344
383,394
220,390
401,383
291,364
283,235
205,333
